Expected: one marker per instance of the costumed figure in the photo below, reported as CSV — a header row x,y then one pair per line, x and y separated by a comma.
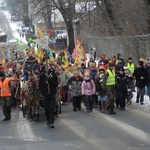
x,y
74,84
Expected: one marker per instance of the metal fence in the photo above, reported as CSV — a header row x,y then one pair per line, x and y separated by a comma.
x,y
131,46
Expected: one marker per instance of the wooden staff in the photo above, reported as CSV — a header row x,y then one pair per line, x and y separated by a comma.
x,y
47,72
16,91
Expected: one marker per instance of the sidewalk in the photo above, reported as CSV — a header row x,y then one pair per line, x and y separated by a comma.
x,y
145,107
14,27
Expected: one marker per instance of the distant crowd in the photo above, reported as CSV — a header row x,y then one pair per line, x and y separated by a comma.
x,y
110,85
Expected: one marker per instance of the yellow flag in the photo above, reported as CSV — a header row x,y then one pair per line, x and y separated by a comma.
x,y
3,60
31,52
66,62
40,35
38,54
81,56
42,54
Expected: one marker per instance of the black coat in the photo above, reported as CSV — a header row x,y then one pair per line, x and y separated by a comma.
x,y
138,74
119,66
30,66
100,87
52,79
122,83
148,77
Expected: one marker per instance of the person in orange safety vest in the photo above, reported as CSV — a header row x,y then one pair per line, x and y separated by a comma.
x,y
5,95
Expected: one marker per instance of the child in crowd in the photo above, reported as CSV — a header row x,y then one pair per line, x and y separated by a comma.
x,y
101,90
121,89
88,90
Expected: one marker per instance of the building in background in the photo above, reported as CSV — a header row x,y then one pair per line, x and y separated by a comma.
x,y
3,5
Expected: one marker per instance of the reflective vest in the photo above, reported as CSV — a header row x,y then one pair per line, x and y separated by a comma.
x,y
131,67
111,78
116,61
5,89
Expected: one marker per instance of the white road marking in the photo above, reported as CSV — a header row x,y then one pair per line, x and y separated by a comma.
x,y
25,130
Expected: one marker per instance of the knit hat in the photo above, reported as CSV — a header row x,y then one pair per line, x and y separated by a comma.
x,y
2,74
102,55
141,63
130,58
31,58
121,69
121,59
148,58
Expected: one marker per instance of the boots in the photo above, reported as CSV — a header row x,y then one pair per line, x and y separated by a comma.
x,y
108,109
112,111
100,106
47,117
7,117
103,104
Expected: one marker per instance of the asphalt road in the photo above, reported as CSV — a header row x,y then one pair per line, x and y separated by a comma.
x,y
128,130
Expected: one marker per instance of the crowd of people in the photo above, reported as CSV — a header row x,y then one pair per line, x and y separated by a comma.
x,y
109,84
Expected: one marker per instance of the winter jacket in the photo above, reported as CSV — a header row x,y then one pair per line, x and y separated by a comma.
x,y
140,73
52,79
93,74
122,83
63,76
119,66
30,67
100,87
75,84
148,78
88,87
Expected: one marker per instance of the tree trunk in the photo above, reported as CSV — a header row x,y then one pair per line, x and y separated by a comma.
x,y
48,22
70,31
48,14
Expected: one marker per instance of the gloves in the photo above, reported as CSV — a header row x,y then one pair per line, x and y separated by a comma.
x,y
129,90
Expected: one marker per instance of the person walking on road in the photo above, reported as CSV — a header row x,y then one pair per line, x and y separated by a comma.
x,y
5,95
147,67
109,80
121,89
131,66
88,90
48,85
141,74
63,76
74,84
101,90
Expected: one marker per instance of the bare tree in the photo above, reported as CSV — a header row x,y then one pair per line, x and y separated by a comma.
x,y
67,9
117,18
